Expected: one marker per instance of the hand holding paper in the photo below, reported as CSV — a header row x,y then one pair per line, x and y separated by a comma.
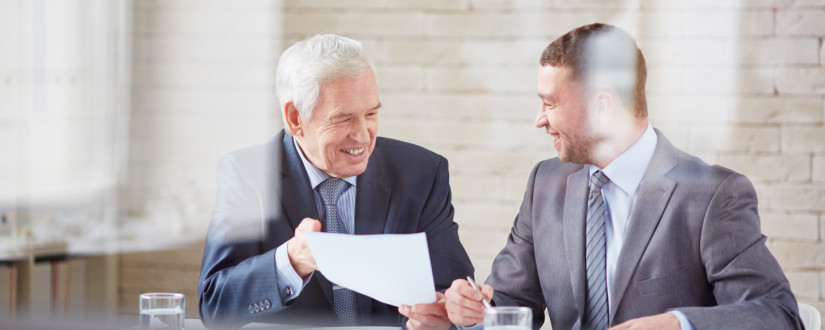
x,y
299,254
392,268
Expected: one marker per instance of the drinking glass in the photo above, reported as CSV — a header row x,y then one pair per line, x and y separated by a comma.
x,y
160,310
508,318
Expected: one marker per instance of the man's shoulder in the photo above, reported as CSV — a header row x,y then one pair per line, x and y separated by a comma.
x,y
691,167
257,151
400,152
255,160
555,167
695,174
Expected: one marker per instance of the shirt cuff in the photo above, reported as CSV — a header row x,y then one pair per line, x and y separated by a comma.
x,y
477,326
290,283
683,321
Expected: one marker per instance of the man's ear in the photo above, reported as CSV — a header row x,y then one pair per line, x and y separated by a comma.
x,y
604,101
292,119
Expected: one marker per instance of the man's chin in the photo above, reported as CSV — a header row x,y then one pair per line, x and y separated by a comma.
x,y
352,170
567,157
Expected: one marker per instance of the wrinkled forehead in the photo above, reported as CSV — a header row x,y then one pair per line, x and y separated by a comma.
x,y
349,95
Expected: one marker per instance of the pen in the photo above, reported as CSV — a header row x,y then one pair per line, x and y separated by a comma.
x,y
483,298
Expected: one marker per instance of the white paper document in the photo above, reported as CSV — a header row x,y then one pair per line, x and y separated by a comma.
x,y
391,268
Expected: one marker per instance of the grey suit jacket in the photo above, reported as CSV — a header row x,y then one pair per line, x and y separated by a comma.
x,y
692,244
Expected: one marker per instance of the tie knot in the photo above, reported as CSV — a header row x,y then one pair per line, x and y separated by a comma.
x,y
597,181
331,189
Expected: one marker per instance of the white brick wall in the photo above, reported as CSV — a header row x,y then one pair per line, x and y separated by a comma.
x,y
203,85
819,169
800,22
798,227
795,168
740,83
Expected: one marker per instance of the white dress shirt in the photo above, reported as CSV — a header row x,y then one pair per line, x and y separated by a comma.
x,y
625,174
290,284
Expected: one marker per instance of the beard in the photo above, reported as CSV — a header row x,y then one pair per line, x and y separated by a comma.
x,y
581,142
579,149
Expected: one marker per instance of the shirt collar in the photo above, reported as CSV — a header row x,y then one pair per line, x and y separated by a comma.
x,y
316,176
627,170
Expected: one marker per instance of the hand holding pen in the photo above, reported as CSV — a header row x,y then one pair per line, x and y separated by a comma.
x,y
475,287
466,302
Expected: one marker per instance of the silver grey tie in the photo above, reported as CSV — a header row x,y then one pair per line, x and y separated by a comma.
x,y
595,313
345,301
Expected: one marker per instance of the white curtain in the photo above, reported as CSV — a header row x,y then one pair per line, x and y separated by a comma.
x,y
64,97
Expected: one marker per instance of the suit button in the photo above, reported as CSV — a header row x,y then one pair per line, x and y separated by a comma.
x,y
261,305
267,304
251,310
257,309
288,291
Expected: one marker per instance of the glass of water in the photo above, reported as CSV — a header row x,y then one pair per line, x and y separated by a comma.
x,y
508,318
160,310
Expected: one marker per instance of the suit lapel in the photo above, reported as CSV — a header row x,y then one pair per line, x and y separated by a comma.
x,y
371,204
297,198
372,199
575,205
654,193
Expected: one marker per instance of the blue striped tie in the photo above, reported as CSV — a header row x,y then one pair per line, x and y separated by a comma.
x,y
345,301
595,314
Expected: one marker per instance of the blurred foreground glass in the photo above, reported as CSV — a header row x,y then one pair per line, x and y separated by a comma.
x,y
162,311
508,318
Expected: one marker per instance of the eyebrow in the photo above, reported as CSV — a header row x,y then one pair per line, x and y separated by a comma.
x,y
344,115
546,97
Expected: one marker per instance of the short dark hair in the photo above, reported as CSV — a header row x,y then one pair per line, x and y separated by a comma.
x,y
602,53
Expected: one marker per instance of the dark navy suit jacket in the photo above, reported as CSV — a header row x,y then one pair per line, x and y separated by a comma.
x,y
264,193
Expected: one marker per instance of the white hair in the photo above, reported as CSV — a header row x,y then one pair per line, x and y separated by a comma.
x,y
307,64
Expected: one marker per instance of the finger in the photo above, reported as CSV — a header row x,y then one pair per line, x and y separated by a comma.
x,y
468,291
464,320
429,309
463,288
410,325
488,291
424,320
314,225
470,321
403,310
476,311
457,283
309,224
462,301
415,324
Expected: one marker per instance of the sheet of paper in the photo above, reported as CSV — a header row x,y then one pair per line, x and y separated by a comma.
x,y
391,268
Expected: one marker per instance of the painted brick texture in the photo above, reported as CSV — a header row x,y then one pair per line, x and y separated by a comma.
x,y
739,83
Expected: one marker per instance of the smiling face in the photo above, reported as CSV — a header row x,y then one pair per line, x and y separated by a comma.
x,y
339,137
565,116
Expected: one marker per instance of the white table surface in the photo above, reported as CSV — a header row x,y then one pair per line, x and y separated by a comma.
x,y
196,324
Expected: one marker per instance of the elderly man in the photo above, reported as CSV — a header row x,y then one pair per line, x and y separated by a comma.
x,y
326,171
623,229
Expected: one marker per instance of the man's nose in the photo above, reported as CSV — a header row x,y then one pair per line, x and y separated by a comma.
x,y
360,131
541,119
